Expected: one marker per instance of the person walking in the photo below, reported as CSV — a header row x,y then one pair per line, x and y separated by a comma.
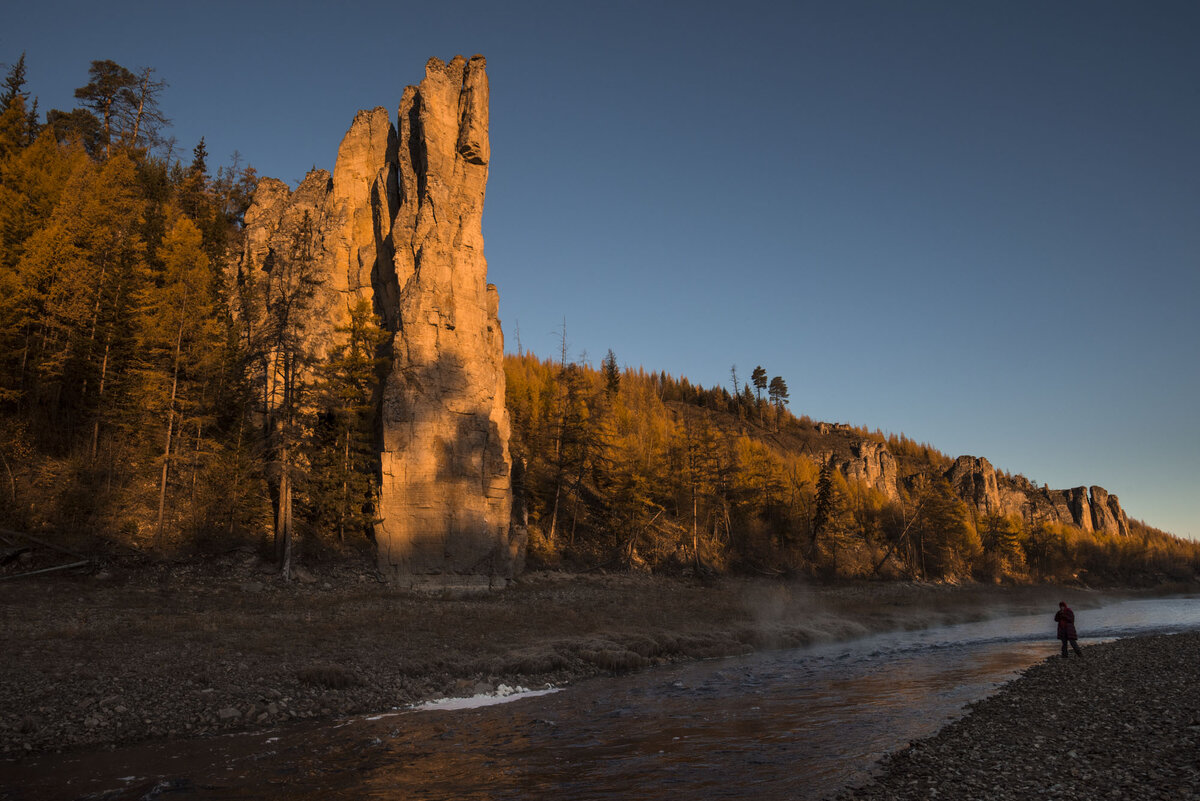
x,y
1066,628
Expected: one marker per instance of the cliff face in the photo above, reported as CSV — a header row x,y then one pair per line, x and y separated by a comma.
x,y
1089,508
871,463
446,497
399,223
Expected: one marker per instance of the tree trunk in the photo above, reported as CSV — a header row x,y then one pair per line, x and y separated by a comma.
x,y
345,490
100,395
162,488
283,521
695,533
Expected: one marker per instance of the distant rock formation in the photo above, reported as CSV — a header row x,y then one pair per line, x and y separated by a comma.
x,y
399,223
872,464
974,479
1091,509
1107,515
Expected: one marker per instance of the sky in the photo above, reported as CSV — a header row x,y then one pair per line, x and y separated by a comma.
x,y
977,224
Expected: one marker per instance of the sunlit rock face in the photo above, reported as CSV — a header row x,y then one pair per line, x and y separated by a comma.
x,y
871,463
446,493
399,223
974,479
1089,508
346,213
1107,515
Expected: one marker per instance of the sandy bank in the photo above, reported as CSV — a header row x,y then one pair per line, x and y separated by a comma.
x,y
1123,722
183,650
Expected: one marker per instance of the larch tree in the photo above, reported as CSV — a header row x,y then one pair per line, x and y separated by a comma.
x,y
178,341
18,123
75,277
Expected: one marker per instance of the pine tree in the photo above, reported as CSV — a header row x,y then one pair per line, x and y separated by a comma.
x,y
110,94
348,456
759,377
778,393
77,126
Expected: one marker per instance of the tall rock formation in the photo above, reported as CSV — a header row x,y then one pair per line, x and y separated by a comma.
x,y
399,223
446,494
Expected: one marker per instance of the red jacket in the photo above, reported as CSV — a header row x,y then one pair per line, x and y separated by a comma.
x,y
1066,623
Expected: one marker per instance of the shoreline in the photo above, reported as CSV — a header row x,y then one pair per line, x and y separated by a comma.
x,y
176,651
1121,722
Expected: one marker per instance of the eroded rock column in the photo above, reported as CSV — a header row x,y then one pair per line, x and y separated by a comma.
x,y
446,495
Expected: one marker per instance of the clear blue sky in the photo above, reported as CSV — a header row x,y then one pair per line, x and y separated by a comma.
x,y
974,223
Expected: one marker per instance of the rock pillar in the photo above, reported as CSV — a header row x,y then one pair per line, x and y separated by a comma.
x,y
446,493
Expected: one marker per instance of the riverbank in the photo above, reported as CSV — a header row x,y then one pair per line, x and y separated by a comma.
x,y
173,650
1123,722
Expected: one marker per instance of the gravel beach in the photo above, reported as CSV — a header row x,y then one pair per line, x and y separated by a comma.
x,y
177,650
1123,722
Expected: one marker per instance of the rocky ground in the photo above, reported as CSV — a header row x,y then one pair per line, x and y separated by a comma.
x,y
142,650
1123,722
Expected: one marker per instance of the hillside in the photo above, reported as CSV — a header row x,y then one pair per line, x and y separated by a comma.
x,y
630,469
199,362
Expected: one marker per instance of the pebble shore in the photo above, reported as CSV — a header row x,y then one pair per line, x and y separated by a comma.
x,y
1122,722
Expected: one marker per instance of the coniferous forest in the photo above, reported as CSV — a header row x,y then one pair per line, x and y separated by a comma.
x,y
154,398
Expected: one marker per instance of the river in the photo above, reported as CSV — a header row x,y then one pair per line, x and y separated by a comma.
x,y
796,724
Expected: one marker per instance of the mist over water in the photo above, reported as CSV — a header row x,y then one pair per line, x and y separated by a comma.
x,y
795,724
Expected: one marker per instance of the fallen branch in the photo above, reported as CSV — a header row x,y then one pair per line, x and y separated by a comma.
x,y
84,563
42,542
13,554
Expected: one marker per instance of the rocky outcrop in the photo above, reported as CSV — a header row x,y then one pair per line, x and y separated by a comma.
x,y
399,223
974,479
873,465
336,222
1107,515
1088,508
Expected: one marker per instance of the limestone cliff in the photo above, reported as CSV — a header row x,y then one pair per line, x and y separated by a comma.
x,y
399,223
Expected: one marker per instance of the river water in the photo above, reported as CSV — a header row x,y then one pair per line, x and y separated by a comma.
x,y
796,724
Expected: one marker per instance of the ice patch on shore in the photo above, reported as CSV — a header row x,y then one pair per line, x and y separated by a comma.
x,y
382,715
503,695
